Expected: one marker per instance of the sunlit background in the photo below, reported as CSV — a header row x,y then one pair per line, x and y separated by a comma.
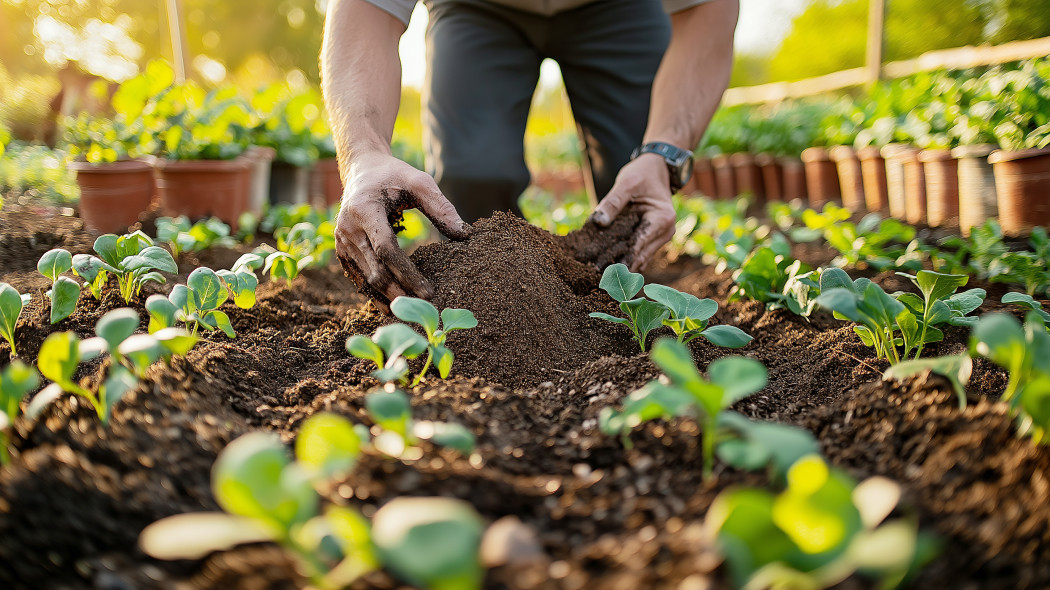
x,y
50,45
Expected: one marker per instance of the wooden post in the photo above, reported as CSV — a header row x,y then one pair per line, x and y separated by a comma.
x,y
177,31
876,38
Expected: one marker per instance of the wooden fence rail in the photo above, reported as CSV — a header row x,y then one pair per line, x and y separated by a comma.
x,y
958,58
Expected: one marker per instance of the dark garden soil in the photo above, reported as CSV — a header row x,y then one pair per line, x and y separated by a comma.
x,y
529,382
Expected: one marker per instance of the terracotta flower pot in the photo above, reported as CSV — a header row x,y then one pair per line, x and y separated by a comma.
x,y
873,171
326,187
112,196
794,173
895,193
289,184
772,176
1022,180
850,178
261,158
942,187
978,199
203,188
703,180
748,176
822,179
725,179
914,186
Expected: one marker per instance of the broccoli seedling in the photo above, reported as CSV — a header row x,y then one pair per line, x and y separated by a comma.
x,y
819,531
422,312
269,497
64,290
432,543
195,304
11,305
135,260
730,379
16,380
643,316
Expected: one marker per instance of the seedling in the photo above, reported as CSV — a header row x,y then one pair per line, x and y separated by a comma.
x,y
436,327
730,379
643,316
389,348
1028,302
269,497
752,445
241,281
432,543
135,260
819,531
196,304
11,304
957,368
300,246
1023,350
16,380
939,304
390,410
181,236
64,290
62,352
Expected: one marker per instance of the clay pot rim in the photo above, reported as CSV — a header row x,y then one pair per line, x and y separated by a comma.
x,y
870,152
890,150
977,150
698,162
261,152
1000,156
118,167
789,161
901,152
841,153
935,155
239,163
720,160
741,159
816,154
766,159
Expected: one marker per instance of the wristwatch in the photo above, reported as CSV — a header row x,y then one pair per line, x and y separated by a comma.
x,y
679,161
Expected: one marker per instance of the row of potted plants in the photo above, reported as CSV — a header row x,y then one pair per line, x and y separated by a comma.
x,y
199,153
949,148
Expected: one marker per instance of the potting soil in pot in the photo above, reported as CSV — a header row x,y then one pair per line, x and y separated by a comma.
x,y
531,296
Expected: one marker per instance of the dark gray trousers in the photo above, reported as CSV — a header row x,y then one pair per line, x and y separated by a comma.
x,y
483,67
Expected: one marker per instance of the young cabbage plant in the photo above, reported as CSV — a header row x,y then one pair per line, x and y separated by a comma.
x,y
436,327
195,304
16,380
241,280
1023,350
689,315
389,348
64,290
181,236
94,271
729,380
643,316
940,304
819,531
11,304
135,260
432,543
267,496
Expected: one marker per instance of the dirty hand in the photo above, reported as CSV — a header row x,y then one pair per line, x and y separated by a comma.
x,y
379,187
645,182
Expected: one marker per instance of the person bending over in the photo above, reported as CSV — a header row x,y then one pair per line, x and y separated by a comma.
x,y
643,78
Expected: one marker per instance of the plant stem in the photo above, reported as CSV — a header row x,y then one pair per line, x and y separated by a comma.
x,y
708,438
5,455
426,366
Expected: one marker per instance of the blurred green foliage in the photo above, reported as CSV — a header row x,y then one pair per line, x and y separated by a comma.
x,y
36,175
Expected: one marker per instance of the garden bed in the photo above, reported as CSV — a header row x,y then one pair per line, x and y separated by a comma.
x,y
529,382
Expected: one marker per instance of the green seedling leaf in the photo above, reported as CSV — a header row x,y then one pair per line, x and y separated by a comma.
x,y
395,370
727,336
609,318
956,368
220,320
836,278
431,542
151,258
764,443
1001,339
195,535
210,290
327,446
390,409
457,319
11,304
645,317
400,340
1034,404
16,380
55,262
936,286
250,261
253,477
106,247
1028,302
620,283
116,326
363,348
88,267
117,384
58,358
141,350
176,341
446,434
443,358
162,312
738,377
682,305
64,295
416,311
242,285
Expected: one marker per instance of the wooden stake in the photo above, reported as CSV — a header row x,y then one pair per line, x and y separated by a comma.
x,y
876,38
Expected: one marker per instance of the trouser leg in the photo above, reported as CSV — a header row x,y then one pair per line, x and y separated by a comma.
x,y
608,53
481,73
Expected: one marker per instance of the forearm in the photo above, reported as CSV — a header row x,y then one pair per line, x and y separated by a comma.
x,y
360,78
693,74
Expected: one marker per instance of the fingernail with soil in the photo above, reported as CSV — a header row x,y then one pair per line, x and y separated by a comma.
x,y
600,218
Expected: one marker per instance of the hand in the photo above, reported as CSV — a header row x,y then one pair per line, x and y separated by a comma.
x,y
379,187
644,181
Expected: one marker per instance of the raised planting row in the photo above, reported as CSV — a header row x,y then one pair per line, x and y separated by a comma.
x,y
541,423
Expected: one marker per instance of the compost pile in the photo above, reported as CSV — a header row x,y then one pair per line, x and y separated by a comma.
x,y
531,295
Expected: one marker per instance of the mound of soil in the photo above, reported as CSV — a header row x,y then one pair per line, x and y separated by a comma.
x,y
531,296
